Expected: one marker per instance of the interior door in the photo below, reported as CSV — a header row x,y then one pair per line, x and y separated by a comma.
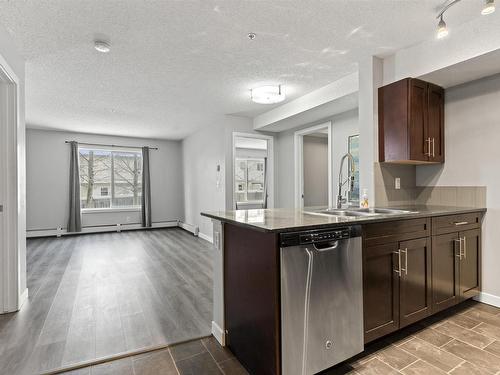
x,y
418,132
415,282
380,290
435,122
445,271
470,277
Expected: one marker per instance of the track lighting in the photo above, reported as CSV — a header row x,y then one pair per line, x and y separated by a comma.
x,y
442,30
488,8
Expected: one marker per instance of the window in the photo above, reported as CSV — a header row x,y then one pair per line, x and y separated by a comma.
x,y
249,180
353,148
110,179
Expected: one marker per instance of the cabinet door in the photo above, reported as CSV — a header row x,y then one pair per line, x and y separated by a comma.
x,y
380,290
470,276
445,271
418,134
415,281
435,122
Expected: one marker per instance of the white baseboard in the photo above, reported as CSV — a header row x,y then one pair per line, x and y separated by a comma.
x,y
489,299
218,333
23,298
190,228
205,237
103,229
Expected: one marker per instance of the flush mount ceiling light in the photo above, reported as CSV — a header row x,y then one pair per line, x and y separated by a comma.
x,y
268,94
102,46
442,30
488,8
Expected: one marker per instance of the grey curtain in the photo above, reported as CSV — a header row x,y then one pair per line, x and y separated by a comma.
x,y
264,204
146,189
75,215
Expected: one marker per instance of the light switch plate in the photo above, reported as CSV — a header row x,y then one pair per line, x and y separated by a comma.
x,y
397,183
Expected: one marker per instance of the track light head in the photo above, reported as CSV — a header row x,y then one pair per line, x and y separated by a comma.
x,y
442,29
488,7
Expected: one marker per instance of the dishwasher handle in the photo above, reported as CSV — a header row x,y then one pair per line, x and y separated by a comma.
x,y
326,246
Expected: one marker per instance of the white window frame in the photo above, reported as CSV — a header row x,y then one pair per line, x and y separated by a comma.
x,y
270,166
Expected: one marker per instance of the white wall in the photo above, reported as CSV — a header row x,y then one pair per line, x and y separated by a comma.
x,y
472,136
48,180
204,187
16,290
343,125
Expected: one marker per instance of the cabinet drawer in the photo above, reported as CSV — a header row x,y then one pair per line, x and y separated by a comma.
x,y
393,231
454,223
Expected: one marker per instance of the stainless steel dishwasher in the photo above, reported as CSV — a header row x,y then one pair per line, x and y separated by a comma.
x,y
321,299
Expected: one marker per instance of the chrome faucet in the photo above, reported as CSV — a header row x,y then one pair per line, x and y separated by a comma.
x,y
350,179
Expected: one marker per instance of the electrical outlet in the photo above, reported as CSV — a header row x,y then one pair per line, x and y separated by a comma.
x,y
397,183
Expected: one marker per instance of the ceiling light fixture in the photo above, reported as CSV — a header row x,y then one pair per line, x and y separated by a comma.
x,y
442,30
268,94
251,36
488,8
102,46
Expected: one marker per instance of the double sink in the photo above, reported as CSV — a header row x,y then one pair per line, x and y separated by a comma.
x,y
359,212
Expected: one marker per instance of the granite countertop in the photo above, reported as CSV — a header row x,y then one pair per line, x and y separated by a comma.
x,y
283,220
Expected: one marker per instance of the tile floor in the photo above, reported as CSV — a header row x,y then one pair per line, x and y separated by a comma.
x,y
463,340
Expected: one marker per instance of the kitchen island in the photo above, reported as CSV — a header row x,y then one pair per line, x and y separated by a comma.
x,y
414,263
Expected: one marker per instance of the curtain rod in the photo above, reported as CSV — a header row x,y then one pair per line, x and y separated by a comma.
x,y
103,145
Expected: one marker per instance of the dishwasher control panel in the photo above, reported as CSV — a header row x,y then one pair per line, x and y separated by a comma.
x,y
314,236
324,236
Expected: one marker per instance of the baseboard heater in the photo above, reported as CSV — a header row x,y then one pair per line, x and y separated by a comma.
x,y
58,232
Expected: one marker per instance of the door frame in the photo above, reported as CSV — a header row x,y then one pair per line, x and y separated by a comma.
x,y
11,297
270,165
299,162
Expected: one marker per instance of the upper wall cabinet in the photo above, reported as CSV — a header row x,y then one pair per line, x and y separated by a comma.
x,y
411,122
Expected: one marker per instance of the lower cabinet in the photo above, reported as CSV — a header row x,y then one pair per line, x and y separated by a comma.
x,y
456,260
411,272
397,286
415,281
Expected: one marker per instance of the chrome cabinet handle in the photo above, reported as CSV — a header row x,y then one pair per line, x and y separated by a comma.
x,y
428,153
459,255
457,223
433,148
398,271
405,251
465,247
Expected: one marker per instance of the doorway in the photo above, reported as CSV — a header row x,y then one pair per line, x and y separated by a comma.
x,y
11,201
313,166
252,172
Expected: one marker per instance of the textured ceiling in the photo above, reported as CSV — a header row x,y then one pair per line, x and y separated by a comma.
x,y
176,66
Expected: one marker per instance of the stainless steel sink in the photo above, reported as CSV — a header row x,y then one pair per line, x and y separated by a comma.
x,y
383,211
359,212
341,212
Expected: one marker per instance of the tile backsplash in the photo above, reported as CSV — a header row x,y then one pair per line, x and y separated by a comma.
x,y
387,195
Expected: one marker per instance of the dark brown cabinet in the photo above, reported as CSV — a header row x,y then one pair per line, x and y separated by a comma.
x,y
445,271
456,259
415,281
396,275
397,290
411,122
380,290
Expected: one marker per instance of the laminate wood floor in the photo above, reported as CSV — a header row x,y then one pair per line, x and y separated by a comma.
x,y
97,295
461,341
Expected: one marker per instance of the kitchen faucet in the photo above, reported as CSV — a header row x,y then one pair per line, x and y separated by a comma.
x,y
350,178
